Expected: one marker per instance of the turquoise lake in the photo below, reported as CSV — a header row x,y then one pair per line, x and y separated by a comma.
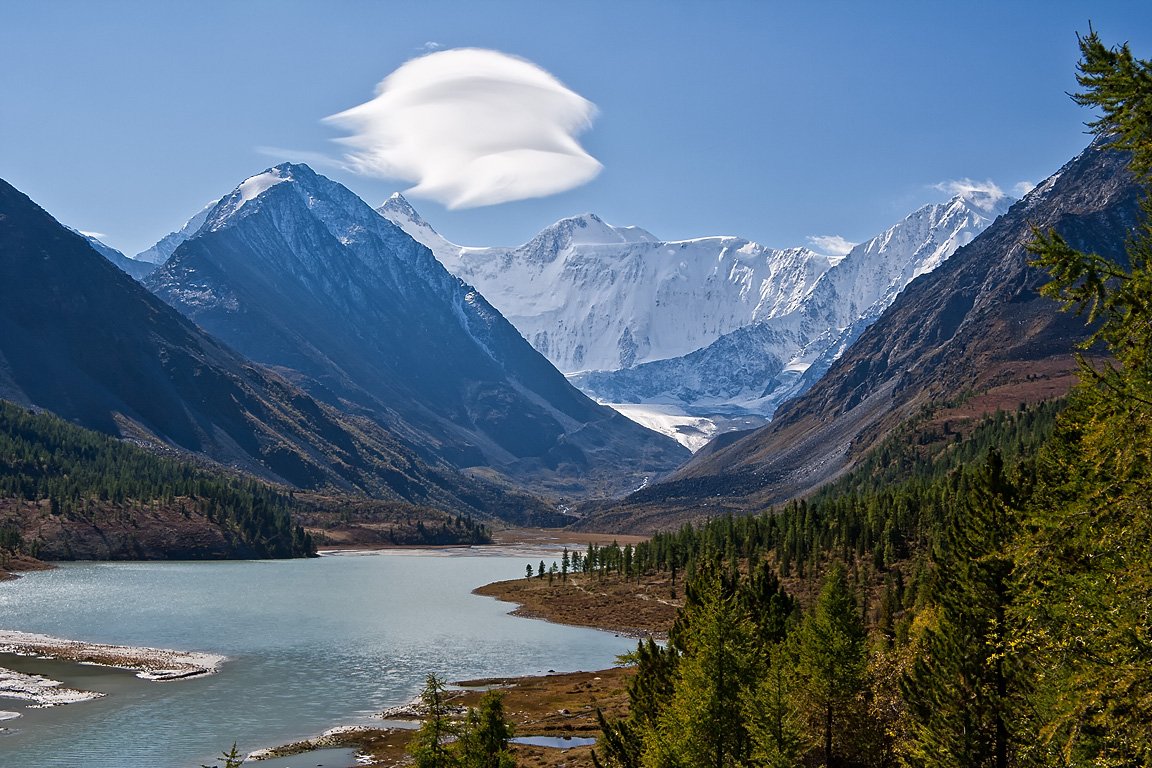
x,y
311,644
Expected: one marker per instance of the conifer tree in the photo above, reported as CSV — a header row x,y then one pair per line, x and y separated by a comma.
x,y
964,693
703,724
832,661
484,738
1087,564
649,691
775,726
429,748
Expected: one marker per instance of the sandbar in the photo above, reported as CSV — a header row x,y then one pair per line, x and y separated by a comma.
x,y
157,664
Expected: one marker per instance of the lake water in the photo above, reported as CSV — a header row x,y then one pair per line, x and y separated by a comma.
x,y
311,644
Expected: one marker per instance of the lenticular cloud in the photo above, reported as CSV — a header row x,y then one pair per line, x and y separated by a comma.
x,y
471,127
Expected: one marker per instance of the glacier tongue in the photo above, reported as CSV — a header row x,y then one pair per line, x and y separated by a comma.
x,y
686,336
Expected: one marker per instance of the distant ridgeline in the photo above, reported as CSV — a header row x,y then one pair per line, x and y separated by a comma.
x,y
71,493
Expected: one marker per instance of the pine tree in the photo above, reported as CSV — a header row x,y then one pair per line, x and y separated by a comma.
x,y
649,692
964,692
775,726
832,661
232,758
703,724
484,738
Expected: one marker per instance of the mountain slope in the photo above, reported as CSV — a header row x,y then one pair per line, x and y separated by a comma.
x,y
972,335
698,337
82,339
591,296
137,269
159,253
295,271
771,360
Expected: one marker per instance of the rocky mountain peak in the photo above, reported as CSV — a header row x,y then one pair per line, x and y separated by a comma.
x,y
397,207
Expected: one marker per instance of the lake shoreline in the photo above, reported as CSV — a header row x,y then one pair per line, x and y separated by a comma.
x,y
371,739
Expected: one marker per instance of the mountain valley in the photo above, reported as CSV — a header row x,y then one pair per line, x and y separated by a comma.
x,y
700,336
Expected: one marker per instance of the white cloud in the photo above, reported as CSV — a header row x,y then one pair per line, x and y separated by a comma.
x,y
984,194
831,245
1021,188
97,235
471,127
430,46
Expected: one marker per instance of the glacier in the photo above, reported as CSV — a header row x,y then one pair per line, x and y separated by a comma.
x,y
696,337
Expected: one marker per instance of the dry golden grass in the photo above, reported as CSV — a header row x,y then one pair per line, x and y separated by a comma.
x,y
644,609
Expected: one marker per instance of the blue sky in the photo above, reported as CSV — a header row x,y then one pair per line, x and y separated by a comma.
x,y
770,120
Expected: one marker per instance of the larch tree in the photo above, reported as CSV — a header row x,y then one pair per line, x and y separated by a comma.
x,y
1086,566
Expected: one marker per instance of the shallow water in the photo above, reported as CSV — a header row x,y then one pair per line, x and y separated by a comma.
x,y
311,644
556,742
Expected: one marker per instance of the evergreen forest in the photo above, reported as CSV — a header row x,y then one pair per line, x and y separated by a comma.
x,y
80,480
977,600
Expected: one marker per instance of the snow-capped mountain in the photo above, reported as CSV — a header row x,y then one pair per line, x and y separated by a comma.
x,y
137,269
80,338
759,366
293,270
714,327
978,325
159,253
592,296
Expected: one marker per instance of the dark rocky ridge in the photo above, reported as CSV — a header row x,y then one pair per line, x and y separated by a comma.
x,y
977,324
307,277
82,339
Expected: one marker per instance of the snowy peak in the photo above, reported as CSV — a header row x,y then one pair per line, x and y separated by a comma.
x,y
400,212
255,186
294,270
294,195
986,197
586,229
928,236
159,253
397,208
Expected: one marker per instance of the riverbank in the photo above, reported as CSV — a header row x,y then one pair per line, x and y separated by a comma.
x,y
429,596
559,707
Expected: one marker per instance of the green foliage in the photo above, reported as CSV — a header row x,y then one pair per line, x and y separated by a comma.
x,y
832,661
43,457
703,723
775,725
231,758
430,747
1118,84
480,740
1086,565
965,690
485,734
